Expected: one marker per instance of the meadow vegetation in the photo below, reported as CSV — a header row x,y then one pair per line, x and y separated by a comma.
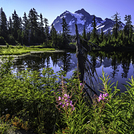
x,y
50,104
17,50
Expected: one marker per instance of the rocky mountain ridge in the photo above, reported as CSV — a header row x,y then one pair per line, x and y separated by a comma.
x,y
83,18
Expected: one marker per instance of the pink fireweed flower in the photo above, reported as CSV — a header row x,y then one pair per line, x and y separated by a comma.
x,y
59,98
67,104
105,95
68,96
60,103
66,100
70,102
71,105
65,95
81,84
102,98
63,105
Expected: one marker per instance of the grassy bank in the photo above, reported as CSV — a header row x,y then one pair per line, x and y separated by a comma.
x,y
43,105
17,50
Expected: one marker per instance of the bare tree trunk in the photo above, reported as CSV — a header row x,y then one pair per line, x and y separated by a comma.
x,y
79,55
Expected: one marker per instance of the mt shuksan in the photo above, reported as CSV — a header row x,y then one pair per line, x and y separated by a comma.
x,y
81,18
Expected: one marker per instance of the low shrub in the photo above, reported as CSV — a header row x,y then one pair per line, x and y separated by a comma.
x,y
46,106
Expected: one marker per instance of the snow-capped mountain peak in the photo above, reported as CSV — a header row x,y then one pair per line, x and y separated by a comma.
x,y
83,18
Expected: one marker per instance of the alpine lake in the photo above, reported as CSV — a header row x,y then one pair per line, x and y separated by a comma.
x,y
118,65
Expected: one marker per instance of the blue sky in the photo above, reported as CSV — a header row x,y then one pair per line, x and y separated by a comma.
x,y
50,9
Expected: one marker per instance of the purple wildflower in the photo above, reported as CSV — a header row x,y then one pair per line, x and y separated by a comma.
x,y
105,95
81,84
71,105
59,98
66,100
102,98
70,102
67,104
68,96
63,105
65,95
60,103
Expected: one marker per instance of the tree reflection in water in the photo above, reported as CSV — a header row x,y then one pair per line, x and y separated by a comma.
x,y
117,61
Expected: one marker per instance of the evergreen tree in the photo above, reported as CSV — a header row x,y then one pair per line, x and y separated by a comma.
x,y
101,35
25,32
41,33
59,39
10,26
65,33
130,34
88,35
46,29
19,32
11,39
120,38
94,36
117,19
16,25
109,37
33,25
3,24
54,36
127,18
128,29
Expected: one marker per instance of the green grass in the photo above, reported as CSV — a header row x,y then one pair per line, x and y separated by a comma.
x,y
32,104
12,50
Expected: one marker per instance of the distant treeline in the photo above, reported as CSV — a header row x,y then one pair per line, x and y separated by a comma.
x,y
116,38
33,29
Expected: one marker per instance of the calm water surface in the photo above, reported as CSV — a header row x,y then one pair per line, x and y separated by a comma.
x,y
118,65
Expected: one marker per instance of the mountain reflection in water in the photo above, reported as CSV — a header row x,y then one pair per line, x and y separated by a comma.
x,y
119,66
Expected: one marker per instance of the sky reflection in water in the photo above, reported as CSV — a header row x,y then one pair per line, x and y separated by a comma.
x,y
68,61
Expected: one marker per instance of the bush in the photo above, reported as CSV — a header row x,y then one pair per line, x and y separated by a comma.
x,y
11,39
2,41
29,98
32,103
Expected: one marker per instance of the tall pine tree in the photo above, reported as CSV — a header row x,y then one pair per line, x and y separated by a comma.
x,y
65,33
3,24
128,29
25,23
101,36
41,33
117,19
16,24
94,36
33,26
46,29
54,36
